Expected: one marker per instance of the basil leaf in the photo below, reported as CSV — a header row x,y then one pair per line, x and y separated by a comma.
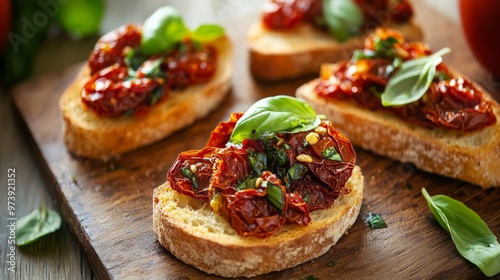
x,y
277,114
343,17
162,30
35,225
275,196
472,237
207,33
412,79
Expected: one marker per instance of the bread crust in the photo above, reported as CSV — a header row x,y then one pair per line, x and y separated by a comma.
x,y
473,157
298,52
87,135
193,233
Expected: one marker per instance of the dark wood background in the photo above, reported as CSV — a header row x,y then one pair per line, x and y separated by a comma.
x,y
108,206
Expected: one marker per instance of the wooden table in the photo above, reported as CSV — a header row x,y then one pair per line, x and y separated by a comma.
x,y
59,256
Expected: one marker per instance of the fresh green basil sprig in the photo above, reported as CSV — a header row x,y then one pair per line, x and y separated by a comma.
x,y
35,225
165,27
277,114
412,79
343,18
472,237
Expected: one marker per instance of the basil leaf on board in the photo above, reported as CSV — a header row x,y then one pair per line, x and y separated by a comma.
x,y
207,33
343,17
412,79
36,225
472,237
162,30
277,114
165,28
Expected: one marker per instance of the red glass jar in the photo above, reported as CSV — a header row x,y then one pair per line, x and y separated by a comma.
x,y
481,26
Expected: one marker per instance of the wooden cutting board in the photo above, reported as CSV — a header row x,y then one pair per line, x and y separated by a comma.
x,y
109,205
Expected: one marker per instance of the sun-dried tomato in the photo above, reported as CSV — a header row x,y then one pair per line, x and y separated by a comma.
x,y
189,65
110,93
259,186
116,88
286,14
109,48
191,173
325,179
221,134
451,103
456,104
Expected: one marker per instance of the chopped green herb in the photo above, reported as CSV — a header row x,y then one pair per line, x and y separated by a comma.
x,y
135,58
35,225
186,172
156,94
382,48
152,69
375,221
332,154
281,157
374,90
296,171
332,263
441,76
248,183
362,54
275,196
306,197
471,235
385,47
258,162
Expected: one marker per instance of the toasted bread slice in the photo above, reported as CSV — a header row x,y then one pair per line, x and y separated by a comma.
x,y
88,135
472,156
198,236
298,52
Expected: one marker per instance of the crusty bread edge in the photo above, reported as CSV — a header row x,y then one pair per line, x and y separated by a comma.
x,y
472,157
230,255
305,57
89,136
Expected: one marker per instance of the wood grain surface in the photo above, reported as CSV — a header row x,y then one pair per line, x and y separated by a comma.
x,y
108,206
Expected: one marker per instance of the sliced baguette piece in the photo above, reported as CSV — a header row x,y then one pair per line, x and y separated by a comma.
x,y
88,135
195,234
298,52
472,157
